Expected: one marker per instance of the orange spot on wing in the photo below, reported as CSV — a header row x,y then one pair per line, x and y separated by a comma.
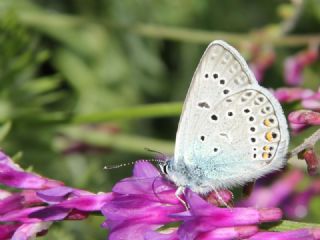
x,y
267,123
265,155
269,136
266,148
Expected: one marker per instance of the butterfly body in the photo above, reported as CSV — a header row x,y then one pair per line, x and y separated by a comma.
x,y
231,130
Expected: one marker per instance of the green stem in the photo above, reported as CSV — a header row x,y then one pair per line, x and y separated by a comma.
x,y
201,36
142,111
119,141
44,21
286,225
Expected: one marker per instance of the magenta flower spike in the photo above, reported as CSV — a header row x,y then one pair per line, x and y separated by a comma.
x,y
13,176
297,205
306,117
274,195
42,201
287,95
312,102
312,161
294,66
204,219
139,207
141,204
262,60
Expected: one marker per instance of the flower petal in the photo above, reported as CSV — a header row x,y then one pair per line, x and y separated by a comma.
x,y
56,194
132,231
11,203
143,169
229,233
7,230
13,176
301,234
94,202
29,231
172,235
272,196
305,117
287,95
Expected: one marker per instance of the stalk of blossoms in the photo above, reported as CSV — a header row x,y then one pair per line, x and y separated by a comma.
x,y
283,193
295,65
262,60
41,201
306,151
145,204
139,207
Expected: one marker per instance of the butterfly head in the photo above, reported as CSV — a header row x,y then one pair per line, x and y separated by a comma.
x,y
169,171
175,174
165,167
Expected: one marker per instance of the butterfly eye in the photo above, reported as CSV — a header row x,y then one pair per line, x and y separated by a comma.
x,y
165,169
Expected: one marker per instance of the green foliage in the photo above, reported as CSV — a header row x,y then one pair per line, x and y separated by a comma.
x,y
94,72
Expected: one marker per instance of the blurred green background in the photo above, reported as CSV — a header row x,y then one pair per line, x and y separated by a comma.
x,y
78,79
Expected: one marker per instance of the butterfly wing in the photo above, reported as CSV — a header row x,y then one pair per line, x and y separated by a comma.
x,y
229,126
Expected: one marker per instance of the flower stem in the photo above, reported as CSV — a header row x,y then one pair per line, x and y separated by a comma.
x,y
142,111
119,141
307,143
201,36
42,21
286,225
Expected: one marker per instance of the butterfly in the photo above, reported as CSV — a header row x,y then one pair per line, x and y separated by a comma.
x,y
231,130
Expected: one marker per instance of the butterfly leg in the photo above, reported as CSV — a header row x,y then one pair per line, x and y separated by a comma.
x,y
179,192
221,199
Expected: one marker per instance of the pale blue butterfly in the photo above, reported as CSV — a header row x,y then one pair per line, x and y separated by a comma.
x,y
231,130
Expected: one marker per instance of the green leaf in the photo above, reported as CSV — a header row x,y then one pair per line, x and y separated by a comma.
x,y
4,130
17,156
43,84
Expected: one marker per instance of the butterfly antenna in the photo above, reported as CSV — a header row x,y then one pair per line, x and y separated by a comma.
x,y
130,164
162,155
118,165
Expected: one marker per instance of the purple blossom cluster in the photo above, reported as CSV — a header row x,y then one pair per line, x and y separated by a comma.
x,y
39,202
309,100
262,59
282,193
295,65
143,206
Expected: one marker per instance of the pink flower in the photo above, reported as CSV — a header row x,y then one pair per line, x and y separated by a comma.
x,y
304,118
42,201
283,193
287,95
312,102
262,59
140,207
141,204
294,66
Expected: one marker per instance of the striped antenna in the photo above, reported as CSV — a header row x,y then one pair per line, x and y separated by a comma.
x,y
160,154
131,163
